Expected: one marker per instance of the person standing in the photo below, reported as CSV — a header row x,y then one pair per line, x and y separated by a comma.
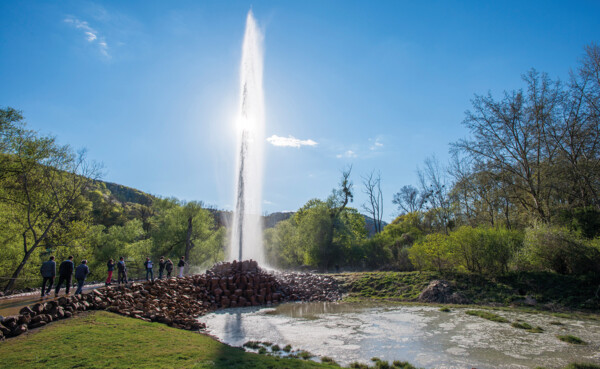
x,y
81,272
122,271
181,266
169,267
161,267
48,271
65,273
148,265
111,267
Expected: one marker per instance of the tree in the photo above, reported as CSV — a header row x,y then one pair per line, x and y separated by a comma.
x,y
409,200
186,229
43,183
374,205
509,137
435,188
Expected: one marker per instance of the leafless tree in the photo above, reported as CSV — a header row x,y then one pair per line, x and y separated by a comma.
x,y
409,199
374,205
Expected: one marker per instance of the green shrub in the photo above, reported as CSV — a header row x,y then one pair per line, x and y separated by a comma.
x,y
445,309
559,250
432,253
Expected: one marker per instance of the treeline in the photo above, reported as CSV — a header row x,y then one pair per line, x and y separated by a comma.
x,y
52,203
522,192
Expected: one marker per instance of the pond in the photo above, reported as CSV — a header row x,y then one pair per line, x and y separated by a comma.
x,y
421,335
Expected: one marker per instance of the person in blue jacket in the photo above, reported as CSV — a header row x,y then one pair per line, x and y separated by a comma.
x,y
48,271
148,266
81,272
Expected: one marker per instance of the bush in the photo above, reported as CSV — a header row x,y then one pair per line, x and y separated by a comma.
x,y
483,249
560,250
432,253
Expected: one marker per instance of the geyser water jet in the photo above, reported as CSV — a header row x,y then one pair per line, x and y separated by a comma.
x,y
246,233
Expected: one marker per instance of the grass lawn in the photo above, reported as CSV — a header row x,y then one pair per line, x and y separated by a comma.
x,y
105,340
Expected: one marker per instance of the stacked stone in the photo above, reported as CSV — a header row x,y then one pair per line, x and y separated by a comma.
x,y
240,284
43,313
308,287
175,302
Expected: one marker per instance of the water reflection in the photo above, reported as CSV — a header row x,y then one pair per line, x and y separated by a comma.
x,y
419,334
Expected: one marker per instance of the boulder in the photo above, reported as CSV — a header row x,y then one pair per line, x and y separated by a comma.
x,y
27,310
41,323
18,330
5,331
440,291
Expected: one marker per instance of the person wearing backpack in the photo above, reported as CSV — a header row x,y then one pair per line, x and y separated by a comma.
x,y
169,267
81,272
148,265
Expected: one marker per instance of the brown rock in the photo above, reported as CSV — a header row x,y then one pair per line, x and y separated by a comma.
x,y
19,330
27,310
24,319
41,323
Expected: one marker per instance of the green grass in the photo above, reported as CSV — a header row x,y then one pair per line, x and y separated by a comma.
x,y
527,327
522,325
487,315
327,359
445,309
571,339
106,340
563,291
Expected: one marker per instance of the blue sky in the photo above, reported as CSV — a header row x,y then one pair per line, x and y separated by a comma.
x,y
150,88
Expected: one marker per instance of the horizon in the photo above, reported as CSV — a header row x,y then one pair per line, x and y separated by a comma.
x,y
151,89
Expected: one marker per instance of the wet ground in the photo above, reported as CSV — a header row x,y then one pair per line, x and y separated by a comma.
x,y
421,335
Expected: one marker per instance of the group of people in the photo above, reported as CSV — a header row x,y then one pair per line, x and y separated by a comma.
x,y
66,268
162,266
65,275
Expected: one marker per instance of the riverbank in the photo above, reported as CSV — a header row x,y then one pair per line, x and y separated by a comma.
x,y
537,291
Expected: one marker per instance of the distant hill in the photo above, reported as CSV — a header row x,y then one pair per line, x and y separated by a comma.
x,y
126,195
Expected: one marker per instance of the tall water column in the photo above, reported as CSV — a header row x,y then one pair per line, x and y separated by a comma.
x,y
246,237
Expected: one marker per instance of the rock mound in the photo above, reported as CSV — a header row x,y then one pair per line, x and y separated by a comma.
x,y
440,291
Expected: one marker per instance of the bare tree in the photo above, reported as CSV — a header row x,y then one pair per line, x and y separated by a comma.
x,y
409,199
374,205
509,137
435,186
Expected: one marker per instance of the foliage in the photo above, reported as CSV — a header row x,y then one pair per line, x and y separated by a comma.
x,y
41,193
560,250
